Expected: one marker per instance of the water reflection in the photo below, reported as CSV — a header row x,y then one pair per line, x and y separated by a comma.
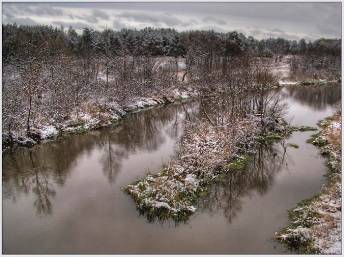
x,y
111,158
37,171
37,178
228,192
316,97
77,182
42,188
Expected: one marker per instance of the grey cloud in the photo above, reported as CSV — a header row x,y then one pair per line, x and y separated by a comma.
x,y
74,25
92,18
35,9
87,18
26,21
291,20
277,30
8,15
275,33
213,27
214,20
153,18
329,26
118,25
100,14
20,21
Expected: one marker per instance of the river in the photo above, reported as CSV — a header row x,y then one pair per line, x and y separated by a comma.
x,y
66,196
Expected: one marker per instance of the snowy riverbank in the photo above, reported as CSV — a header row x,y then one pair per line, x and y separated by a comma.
x,y
311,82
206,151
92,115
315,224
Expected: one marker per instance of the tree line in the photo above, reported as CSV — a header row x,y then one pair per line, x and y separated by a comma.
x,y
23,41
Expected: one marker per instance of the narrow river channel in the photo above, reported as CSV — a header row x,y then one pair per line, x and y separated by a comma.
x,y
66,196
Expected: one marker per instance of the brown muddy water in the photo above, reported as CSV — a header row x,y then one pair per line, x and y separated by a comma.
x,y
65,196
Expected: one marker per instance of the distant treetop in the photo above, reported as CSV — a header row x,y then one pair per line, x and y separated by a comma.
x,y
23,41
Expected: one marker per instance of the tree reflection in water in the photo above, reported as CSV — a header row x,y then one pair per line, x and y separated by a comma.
x,y
227,194
317,97
42,188
36,180
39,171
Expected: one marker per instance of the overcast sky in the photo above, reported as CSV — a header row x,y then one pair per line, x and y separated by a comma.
x,y
261,20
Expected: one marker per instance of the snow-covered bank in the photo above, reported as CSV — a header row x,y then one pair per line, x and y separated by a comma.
x,y
205,153
282,69
92,115
313,82
315,224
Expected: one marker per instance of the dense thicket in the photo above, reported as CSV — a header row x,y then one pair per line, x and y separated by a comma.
x,y
21,41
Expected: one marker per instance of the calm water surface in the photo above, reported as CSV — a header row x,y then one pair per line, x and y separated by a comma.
x,y
65,196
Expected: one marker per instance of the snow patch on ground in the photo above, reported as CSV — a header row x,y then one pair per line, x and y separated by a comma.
x,y
281,68
287,83
48,132
336,125
178,94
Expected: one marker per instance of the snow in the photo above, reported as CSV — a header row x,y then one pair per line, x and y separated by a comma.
x,y
48,132
335,248
191,181
158,205
181,65
100,112
96,114
191,208
287,83
202,149
102,76
165,62
178,94
25,141
336,125
141,103
144,102
304,233
282,69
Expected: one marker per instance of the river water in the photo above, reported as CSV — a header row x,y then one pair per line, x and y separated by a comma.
x,y
66,196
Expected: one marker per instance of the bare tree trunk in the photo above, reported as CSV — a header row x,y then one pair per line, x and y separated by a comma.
x,y
97,71
107,74
184,75
29,115
176,59
206,114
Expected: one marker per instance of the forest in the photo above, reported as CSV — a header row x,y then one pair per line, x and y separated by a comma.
x,y
52,74
20,42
